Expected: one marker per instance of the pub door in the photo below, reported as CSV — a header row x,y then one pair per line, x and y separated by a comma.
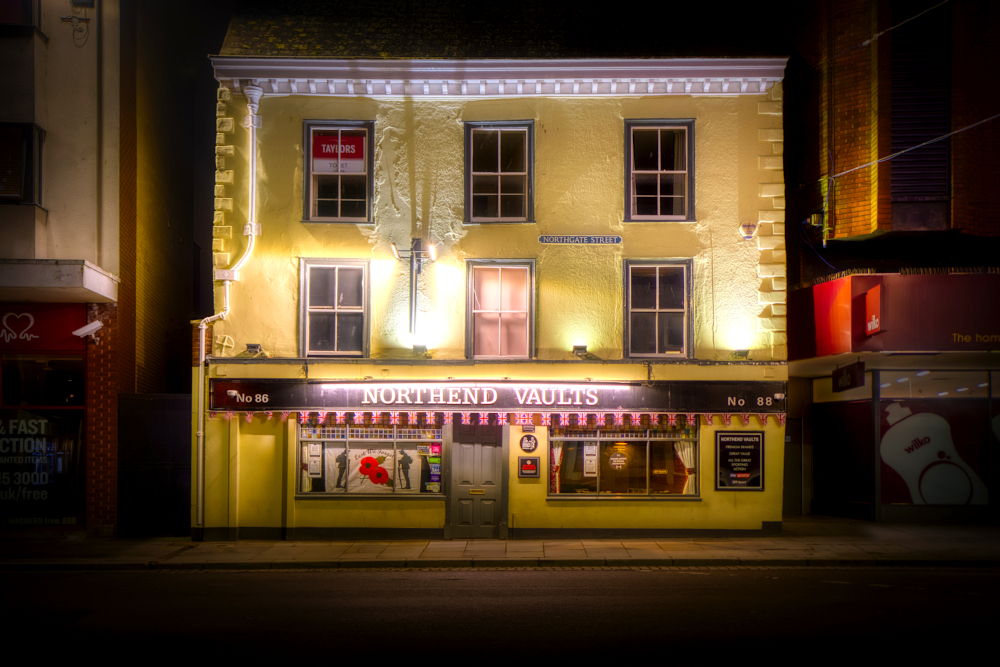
x,y
476,482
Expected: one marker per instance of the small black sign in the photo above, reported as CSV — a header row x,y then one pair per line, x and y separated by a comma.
x,y
529,443
739,461
850,376
528,466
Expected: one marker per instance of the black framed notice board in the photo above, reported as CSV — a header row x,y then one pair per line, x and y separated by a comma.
x,y
739,461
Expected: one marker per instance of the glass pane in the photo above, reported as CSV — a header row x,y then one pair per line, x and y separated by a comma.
x,y
512,151
575,464
486,288
514,294
645,184
933,384
322,286
352,151
672,206
672,156
514,335
512,206
623,467
322,332
327,208
349,332
352,187
326,186
354,209
671,185
349,287
484,185
666,472
510,185
644,150
643,333
484,150
485,206
486,334
671,287
643,292
645,206
31,380
671,333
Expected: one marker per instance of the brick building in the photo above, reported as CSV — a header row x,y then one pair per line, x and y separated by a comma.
x,y
892,166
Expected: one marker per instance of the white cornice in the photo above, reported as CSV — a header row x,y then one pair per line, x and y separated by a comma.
x,y
501,78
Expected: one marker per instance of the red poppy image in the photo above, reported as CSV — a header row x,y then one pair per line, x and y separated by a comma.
x,y
379,476
368,465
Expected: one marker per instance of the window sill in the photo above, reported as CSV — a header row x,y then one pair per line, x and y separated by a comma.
x,y
477,223
665,497
370,496
334,221
658,220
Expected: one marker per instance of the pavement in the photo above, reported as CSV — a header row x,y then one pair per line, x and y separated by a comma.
x,y
804,541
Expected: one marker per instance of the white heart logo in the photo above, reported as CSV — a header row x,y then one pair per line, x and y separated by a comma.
x,y
19,328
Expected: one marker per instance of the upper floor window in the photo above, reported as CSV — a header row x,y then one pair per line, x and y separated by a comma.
x,y
659,159
338,171
500,307
658,305
333,307
21,163
498,172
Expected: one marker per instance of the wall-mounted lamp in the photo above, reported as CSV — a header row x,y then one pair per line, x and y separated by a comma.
x,y
419,349
415,254
740,355
580,350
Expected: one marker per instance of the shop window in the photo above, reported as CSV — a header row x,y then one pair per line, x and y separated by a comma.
x,y
659,463
658,304
498,172
369,459
21,163
333,307
31,380
500,307
338,171
659,158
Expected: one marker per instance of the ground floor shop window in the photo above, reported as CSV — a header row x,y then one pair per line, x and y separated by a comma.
x,y
375,459
624,462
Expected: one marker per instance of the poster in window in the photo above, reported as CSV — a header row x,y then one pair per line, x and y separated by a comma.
x,y
739,458
336,469
370,470
335,151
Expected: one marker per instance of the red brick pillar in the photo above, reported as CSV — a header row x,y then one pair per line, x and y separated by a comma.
x,y
101,422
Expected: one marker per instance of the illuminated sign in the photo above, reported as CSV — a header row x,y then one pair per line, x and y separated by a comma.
x,y
687,396
739,458
873,311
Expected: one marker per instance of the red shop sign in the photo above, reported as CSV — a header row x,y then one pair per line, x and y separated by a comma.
x,y
35,327
349,148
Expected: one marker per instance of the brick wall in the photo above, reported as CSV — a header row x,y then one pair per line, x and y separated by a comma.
x,y
103,381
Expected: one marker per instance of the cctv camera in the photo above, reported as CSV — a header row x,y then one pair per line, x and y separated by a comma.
x,y
88,330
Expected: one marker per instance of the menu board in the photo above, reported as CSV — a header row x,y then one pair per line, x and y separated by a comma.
x,y
739,461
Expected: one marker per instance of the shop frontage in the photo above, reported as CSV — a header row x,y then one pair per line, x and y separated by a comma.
x,y
323,459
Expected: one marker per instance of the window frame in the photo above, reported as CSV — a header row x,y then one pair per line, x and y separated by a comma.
x,y
687,124
687,265
471,265
30,186
306,264
529,197
309,126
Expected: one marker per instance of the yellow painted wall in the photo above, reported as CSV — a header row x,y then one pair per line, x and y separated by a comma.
x,y
530,508
579,189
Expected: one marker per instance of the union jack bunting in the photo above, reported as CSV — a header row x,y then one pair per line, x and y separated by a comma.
x,y
448,417
635,418
394,418
763,418
269,414
359,418
745,418
375,417
522,418
249,417
654,418
708,418
546,419
692,419
727,417
671,419
466,417
229,414
564,419
321,415
581,417
429,418
781,418
619,418
341,416
211,414
484,418
284,415
303,417
411,418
